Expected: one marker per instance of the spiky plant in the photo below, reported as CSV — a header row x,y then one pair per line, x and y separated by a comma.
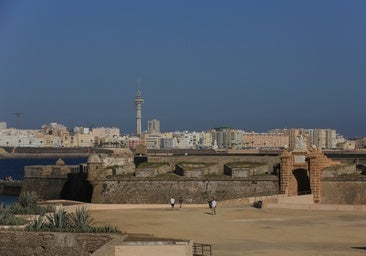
x,y
3,212
59,219
37,224
28,199
81,220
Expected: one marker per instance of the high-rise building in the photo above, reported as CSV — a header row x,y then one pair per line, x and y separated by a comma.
x,y
153,126
138,102
3,125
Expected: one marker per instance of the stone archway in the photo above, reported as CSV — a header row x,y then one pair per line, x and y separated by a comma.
x,y
301,169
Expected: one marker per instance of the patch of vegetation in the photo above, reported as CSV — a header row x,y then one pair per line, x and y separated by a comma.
x,y
116,166
352,175
61,221
27,205
244,164
151,165
214,175
122,175
188,166
8,218
167,174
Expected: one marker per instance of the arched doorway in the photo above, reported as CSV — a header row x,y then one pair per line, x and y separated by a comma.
x,y
303,181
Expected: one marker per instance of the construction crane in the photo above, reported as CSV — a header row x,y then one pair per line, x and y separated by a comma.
x,y
17,114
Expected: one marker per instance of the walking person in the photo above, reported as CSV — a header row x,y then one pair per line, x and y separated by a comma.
x,y
172,202
213,206
180,202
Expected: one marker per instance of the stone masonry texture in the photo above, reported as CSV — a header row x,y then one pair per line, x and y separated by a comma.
x,y
23,243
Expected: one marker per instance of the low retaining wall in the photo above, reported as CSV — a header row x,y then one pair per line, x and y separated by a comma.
x,y
10,188
23,243
343,190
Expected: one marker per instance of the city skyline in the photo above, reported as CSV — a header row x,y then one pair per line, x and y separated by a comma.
x,y
247,65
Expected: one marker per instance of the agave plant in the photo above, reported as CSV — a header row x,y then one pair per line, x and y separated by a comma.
x,y
37,224
28,199
3,212
81,219
59,219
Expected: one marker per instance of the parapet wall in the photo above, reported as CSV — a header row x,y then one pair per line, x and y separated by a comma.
x,y
221,160
157,190
344,190
50,243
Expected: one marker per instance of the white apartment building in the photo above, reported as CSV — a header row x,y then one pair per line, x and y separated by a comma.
x,y
153,126
321,138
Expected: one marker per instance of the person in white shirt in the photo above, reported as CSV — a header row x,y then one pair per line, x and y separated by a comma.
x,y
172,202
213,206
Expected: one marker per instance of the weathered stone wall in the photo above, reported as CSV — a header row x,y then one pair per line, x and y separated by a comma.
x,y
193,190
47,188
50,243
10,188
221,160
343,190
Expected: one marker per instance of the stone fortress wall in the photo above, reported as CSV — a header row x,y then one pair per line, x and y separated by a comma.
x,y
195,178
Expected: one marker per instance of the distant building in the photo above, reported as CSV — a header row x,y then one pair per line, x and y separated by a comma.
x,y
166,143
265,140
321,138
132,142
3,125
152,140
104,135
153,126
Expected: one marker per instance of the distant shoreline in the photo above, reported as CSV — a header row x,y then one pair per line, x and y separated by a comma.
x,y
42,155
21,153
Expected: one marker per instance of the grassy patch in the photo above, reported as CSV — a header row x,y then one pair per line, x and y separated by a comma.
x,y
244,164
152,165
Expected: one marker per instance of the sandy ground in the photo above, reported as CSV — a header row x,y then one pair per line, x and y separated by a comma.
x,y
244,230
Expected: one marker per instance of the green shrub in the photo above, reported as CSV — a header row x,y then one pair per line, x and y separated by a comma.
x,y
28,199
27,204
8,218
36,225
81,219
59,219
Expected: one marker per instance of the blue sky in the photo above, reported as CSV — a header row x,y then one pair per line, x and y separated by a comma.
x,y
251,65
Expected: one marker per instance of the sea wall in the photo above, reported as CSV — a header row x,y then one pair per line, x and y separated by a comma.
x,y
10,188
343,190
193,190
47,188
50,243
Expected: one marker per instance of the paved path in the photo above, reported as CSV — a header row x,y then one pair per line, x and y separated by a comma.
x,y
243,230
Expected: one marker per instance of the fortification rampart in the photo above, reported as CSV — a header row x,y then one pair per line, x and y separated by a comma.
x,y
344,190
192,190
220,160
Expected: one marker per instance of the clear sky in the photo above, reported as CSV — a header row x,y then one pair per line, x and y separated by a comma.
x,y
251,65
